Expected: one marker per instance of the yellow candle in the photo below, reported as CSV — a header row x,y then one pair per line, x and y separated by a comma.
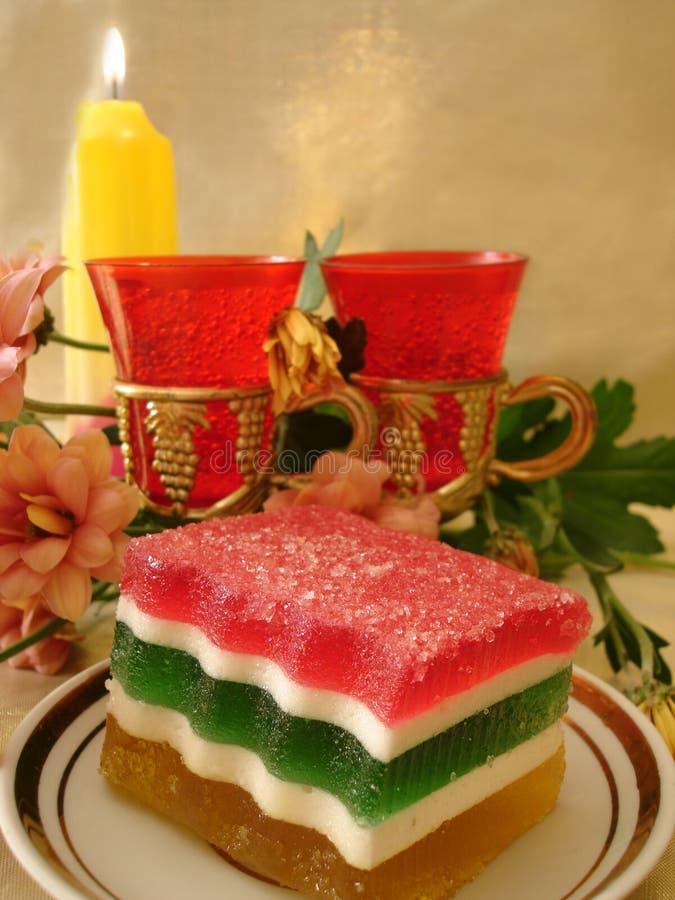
x,y
120,201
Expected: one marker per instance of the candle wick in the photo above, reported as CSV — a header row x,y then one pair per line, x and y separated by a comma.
x,y
115,94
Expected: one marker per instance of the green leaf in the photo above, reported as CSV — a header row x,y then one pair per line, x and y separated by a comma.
x,y
643,472
312,287
553,563
615,408
517,425
625,638
584,548
537,519
471,539
333,241
661,668
311,246
607,636
609,523
587,509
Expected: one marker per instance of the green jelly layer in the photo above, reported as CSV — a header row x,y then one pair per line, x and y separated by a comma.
x,y
316,753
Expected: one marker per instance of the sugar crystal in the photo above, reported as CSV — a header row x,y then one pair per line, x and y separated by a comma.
x,y
395,619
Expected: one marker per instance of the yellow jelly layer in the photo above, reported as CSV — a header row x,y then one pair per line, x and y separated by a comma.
x,y
301,858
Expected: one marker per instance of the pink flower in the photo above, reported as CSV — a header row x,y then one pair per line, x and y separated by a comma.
x,y
346,482
338,479
46,656
61,519
84,422
419,514
23,281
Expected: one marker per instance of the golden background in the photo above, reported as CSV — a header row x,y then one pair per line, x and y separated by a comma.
x,y
538,126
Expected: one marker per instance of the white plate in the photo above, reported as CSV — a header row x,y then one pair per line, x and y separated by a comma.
x,y
79,837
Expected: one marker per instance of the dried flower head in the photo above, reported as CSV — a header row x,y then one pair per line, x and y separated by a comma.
x,y
351,340
657,702
300,352
511,548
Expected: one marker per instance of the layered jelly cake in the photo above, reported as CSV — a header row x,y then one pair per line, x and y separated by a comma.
x,y
342,709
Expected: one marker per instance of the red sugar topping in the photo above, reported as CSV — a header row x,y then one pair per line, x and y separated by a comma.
x,y
397,620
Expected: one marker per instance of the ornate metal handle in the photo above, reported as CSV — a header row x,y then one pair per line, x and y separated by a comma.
x,y
361,412
573,448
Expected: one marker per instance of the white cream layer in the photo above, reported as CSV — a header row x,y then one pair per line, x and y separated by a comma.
x,y
347,712
311,807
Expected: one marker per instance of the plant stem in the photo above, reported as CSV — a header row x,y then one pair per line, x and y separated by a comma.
x,y
64,409
59,338
103,591
613,610
643,559
33,638
489,513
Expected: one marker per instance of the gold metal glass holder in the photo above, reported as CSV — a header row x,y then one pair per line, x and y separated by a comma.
x,y
404,404
172,415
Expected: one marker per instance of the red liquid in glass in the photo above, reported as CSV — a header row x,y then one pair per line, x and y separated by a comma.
x,y
192,322
430,316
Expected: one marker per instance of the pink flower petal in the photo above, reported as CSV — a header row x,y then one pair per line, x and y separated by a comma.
x,y
339,494
68,592
36,443
10,501
44,555
48,656
111,570
12,524
19,473
366,479
25,346
9,360
11,398
17,290
9,554
90,547
51,269
11,636
10,617
20,582
330,466
67,479
34,315
112,505
93,449
280,500
421,516
367,482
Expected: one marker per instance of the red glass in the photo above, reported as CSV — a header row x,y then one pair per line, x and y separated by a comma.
x,y
192,321
429,315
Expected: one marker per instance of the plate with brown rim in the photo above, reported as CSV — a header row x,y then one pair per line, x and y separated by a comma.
x,y
79,837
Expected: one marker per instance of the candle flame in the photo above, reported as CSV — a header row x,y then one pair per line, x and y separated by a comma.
x,y
113,62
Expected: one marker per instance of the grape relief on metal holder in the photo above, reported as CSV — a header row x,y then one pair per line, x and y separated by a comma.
x,y
404,404
172,416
